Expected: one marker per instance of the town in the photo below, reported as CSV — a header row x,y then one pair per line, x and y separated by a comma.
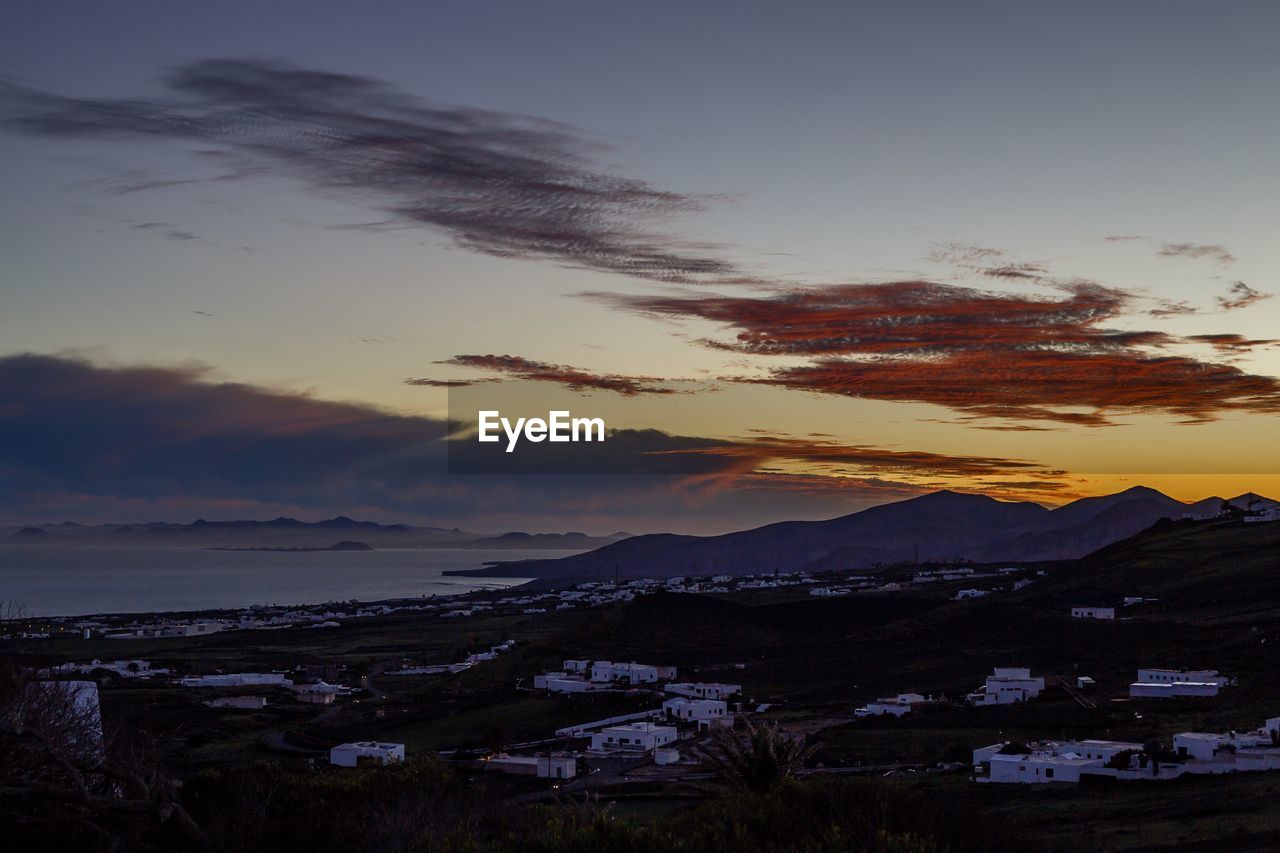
x,y
952,680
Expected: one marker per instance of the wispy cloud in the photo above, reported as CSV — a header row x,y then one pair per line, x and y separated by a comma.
x,y
1196,251
166,230
1241,295
1193,251
573,378
987,355
1231,342
501,184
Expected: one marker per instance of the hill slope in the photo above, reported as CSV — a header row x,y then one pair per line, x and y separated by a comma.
x,y
942,526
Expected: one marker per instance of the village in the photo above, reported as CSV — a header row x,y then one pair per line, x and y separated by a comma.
x,y
1056,677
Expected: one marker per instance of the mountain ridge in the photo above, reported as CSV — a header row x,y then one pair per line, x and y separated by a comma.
x,y
942,526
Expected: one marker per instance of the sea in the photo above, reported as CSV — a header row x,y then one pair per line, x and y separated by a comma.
x,y
80,581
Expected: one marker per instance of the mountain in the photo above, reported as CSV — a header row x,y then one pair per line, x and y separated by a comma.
x,y
565,541
939,527
288,534
29,536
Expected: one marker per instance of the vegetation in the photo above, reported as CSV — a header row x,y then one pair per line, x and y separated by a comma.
x,y
759,759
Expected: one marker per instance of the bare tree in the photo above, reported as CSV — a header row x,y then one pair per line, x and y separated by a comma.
x,y
55,763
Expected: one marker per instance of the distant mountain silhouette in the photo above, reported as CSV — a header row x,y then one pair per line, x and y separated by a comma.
x,y
29,535
519,539
285,533
939,527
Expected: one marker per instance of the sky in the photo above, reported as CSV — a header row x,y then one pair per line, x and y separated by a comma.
x,y
255,260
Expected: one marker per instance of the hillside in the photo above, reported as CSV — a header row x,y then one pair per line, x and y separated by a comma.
x,y
939,527
1196,569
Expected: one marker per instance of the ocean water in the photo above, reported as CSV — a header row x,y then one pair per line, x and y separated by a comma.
x,y
78,581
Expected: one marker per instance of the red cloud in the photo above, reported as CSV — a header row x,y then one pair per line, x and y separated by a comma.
x,y
989,355
1241,295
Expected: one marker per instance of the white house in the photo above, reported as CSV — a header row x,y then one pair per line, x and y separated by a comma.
x,y
237,679
633,737
350,754
1173,676
704,690
1147,690
701,711
896,706
558,766
1207,746
630,673
1269,514
1198,753
569,684
1050,761
1093,612
1007,685
322,687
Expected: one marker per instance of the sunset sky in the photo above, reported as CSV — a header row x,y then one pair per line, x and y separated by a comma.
x,y
840,253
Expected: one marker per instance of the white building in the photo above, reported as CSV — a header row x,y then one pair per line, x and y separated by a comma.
x,y
1173,676
237,679
704,712
1050,761
1207,746
1199,753
1093,612
558,766
122,668
322,687
603,671
1269,514
1007,685
896,706
633,737
704,690
350,754
1146,690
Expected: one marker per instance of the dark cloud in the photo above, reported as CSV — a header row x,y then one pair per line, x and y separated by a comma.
x,y
1169,308
1196,251
573,378
168,231
1017,272
984,354
447,383
1231,342
1241,295
504,185
81,440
